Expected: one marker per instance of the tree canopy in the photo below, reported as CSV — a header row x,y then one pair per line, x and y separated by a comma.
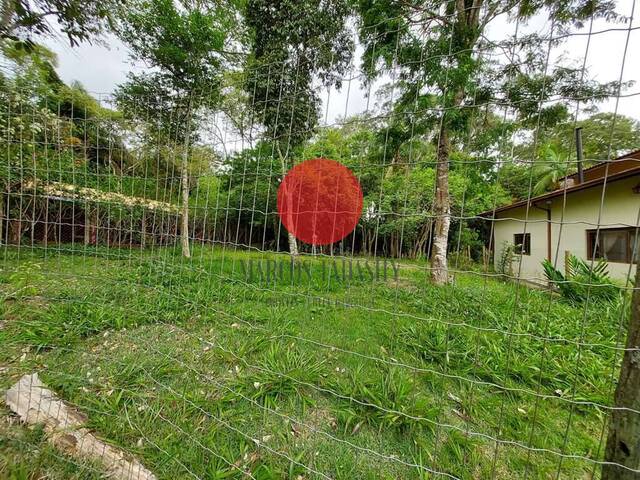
x,y
456,131
78,20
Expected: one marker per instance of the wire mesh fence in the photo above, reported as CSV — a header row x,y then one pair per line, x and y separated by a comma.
x,y
471,325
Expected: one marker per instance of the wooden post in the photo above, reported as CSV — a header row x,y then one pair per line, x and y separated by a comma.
x,y
90,227
623,443
15,232
143,230
2,218
45,229
87,226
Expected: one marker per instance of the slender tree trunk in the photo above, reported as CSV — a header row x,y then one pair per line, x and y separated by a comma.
x,y
33,220
184,233
185,210
45,235
2,223
466,30
439,271
623,444
293,244
176,230
143,230
90,227
87,231
15,232
424,237
395,159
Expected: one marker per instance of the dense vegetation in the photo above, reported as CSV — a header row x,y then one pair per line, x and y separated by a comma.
x,y
258,82
195,369
127,221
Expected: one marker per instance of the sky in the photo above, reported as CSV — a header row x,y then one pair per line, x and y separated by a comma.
x,y
101,67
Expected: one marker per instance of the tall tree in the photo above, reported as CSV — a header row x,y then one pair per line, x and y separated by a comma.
x,y
292,44
434,44
600,132
183,44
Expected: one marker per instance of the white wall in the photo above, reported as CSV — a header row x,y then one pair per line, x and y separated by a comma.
x,y
568,232
515,221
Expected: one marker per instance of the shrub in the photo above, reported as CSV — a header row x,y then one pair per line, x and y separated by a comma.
x,y
506,259
582,280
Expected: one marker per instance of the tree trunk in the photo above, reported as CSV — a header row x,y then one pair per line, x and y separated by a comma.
x,y
15,232
439,272
90,226
2,223
45,229
293,244
184,231
395,159
623,444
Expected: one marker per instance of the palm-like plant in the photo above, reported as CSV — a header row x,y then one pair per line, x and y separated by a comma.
x,y
583,280
552,169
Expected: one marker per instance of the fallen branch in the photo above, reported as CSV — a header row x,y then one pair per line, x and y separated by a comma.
x,y
36,404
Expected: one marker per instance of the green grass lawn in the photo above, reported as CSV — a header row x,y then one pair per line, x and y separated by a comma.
x,y
202,373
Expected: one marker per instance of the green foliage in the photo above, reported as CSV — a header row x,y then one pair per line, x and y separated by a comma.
x,y
25,278
284,374
505,260
387,34
583,281
183,42
293,42
467,245
184,46
551,169
604,136
79,20
393,389
439,71
165,335
552,150
151,347
516,179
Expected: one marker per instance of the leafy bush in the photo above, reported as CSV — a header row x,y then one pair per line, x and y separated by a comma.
x,y
385,399
506,259
583,280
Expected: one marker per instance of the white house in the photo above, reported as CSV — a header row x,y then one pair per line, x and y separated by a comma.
x,y
604,204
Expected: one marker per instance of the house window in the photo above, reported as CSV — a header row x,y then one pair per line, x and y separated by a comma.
x,y
614,244
522,243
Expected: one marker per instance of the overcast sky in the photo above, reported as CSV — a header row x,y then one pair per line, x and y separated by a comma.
x,y
100,68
